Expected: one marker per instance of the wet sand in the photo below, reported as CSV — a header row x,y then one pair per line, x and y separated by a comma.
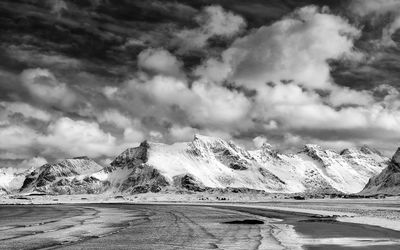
x,y
144,226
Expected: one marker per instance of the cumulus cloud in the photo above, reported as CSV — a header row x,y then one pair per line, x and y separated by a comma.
x,y
346,96
132,135
24,109
182,133
115,117
17,141
160,61
203,103
295,48
76,138
45,87
34,162
214,21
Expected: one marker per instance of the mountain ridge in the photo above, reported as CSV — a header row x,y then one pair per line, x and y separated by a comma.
x,y
211,163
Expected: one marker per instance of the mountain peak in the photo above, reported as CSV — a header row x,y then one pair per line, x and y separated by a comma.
x,y
349,151
312,148
135,155
266,146
207,139
144,144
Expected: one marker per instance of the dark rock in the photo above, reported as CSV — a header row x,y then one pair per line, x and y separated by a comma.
x,y
237,166
396,157
388,181
81,158
133,156
140,189
245,222
188,182
144,175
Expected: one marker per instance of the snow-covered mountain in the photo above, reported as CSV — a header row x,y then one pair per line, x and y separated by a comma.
x,y
314,169
207,163
64,177
12,179
388,181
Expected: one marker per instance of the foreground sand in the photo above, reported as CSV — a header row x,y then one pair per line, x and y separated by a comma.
x,y
158,225
378,212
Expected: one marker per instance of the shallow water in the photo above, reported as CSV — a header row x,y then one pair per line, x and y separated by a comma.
x,y
128,226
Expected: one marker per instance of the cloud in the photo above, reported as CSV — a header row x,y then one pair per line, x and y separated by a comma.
x,y
296,48
214,21
45,88
160,61
113,116
109,91
259,141
203,103
17,141
76,138
24,109
58,6
215,78
34,57
387,10
182,133
346,96
133,135
34,162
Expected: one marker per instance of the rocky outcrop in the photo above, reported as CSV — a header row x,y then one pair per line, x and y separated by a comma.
x,y
143,178
132,156
388,181
188,182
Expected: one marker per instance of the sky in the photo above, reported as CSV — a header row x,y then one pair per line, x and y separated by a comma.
x,y
94,77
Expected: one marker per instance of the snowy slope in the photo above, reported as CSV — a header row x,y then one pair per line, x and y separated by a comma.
x,y
215,163
12,179
66,176
209,162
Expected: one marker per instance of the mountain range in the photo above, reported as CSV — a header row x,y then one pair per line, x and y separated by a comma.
x,y
208,163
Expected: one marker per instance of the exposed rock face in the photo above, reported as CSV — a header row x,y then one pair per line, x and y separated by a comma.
x,y
189,182
388,181
132,156
130,173
142,179
396,157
